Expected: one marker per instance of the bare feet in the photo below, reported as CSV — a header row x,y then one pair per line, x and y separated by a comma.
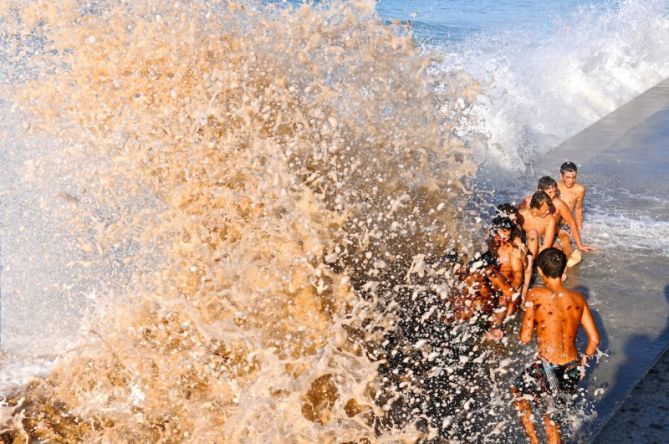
x,y
574,259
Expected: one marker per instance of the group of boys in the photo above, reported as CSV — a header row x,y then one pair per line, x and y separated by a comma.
x,y
536,234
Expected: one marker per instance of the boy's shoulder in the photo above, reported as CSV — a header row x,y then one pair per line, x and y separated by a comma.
x,y
559,203
536,293
574,294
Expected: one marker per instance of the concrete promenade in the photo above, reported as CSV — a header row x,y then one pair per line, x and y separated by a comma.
x,y
624,162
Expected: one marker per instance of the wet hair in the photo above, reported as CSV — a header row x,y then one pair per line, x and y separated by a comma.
x,y
482,261
539,198
552,262
569,167
502,223
545,183
506,210
510,211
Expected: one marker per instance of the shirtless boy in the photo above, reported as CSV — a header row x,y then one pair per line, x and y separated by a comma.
x,y
555,314
518,239
486,295
572,192
538,222
561,214
507,253
509,257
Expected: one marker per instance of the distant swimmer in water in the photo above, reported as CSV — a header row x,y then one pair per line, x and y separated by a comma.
x,y
561,214
555,314
538,222
509,256
485,297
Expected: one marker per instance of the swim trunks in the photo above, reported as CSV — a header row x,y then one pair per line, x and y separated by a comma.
x,y
543,378
552,387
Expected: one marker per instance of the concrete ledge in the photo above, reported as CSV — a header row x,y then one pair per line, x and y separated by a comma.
x,y
623,161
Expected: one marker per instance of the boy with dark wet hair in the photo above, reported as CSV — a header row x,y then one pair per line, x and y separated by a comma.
x,y
572,192
509,257
538,223
510,211
562,213
555,313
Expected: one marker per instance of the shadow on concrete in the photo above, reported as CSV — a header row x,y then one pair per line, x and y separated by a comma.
x,y
582,339
635,366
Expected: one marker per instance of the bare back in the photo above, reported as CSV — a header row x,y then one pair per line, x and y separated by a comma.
x,y
555,317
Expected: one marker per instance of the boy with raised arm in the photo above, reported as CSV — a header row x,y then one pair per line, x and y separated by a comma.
x,y
554,313
510,257
510,211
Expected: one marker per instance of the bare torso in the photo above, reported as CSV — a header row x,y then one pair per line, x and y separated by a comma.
x,y
560,208
511,263
476,297
571,196
556,317
531,222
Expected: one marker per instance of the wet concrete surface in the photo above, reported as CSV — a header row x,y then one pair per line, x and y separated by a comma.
x,y
644,416
624,162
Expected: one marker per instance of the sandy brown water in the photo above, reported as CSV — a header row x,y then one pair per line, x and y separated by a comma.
x,y
235,219
260,179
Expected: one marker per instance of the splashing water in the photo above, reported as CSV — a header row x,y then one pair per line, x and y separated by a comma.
x,y
276,186
256,202
543,81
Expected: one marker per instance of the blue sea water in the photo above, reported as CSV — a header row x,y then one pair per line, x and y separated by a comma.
x,y
457,20
546,69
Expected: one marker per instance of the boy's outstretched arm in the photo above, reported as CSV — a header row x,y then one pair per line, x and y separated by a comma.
x,y
574,227
549,235
527,277
578,209
517,269
591,331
